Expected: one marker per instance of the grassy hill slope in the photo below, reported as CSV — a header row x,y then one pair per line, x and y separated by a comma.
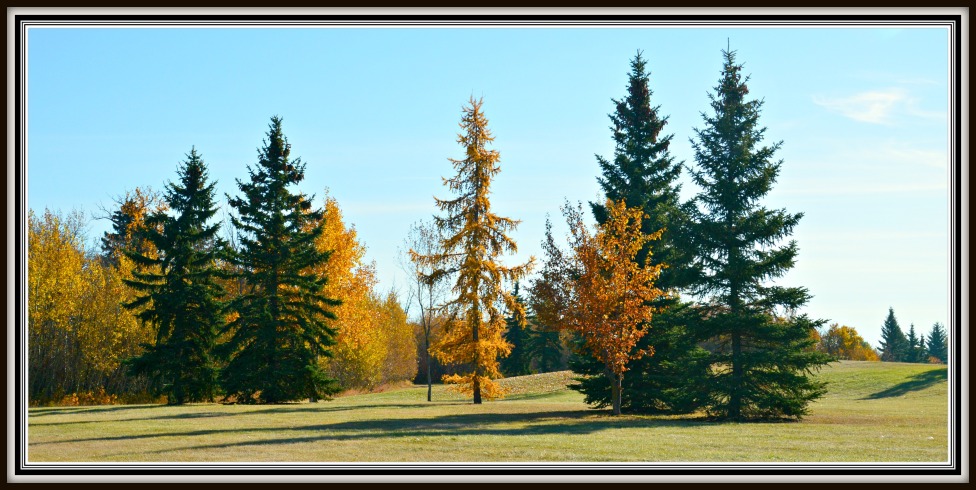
x,y
873,412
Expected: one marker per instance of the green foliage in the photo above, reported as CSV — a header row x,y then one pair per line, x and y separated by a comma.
x,y
519,360
536,348
280,329
894,344
644,174
673,384
916,351
760,360
938,343
545,347
180,295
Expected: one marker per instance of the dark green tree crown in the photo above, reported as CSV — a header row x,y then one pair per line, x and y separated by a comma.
x,y
642,172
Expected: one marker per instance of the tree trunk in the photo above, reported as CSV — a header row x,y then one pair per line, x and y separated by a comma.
x,y
477,391
735,395
476,383
616,392
429,384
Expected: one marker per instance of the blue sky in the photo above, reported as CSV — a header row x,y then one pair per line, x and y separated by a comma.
x,y
374,112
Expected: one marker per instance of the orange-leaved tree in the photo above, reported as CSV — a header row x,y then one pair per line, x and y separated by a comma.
x,y
473,238
608,293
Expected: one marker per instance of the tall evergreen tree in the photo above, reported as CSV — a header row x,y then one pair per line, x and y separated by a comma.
x,y
281,328
764,355
938,343
916,346
519,360
180,295
645,175
544,347
894,345
473,239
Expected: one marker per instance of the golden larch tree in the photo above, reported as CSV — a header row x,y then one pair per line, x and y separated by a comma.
x,y
473,238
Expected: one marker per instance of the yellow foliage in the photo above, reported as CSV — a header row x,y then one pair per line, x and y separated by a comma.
x,y
844,342
98,397
78,332
105,348
473,239
374,344
401,356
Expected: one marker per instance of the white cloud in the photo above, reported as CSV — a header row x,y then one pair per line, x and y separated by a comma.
x,y
878,106
874,106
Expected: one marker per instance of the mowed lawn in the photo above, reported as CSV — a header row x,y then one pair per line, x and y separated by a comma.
x,y
873,412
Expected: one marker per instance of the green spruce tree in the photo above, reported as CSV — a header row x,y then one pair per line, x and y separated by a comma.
x,y
916,346
179,292
762,351
518,362
281,328
938,343
894,345
544,347
644,174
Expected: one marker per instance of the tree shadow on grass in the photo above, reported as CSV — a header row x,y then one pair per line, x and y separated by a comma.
x,y
281,409
572,422
43,412
577,422
915,383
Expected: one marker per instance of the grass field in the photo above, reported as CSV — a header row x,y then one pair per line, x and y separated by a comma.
x,y
874,412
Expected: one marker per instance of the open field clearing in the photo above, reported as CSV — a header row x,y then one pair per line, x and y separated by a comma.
x,y
873,412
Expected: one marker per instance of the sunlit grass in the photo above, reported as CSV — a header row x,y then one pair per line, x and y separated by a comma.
x,y
873,412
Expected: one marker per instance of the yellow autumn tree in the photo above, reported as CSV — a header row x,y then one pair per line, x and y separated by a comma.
x,y
473,238
55,285
375,345
400,363
844,342
357,358
78,332
607,291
